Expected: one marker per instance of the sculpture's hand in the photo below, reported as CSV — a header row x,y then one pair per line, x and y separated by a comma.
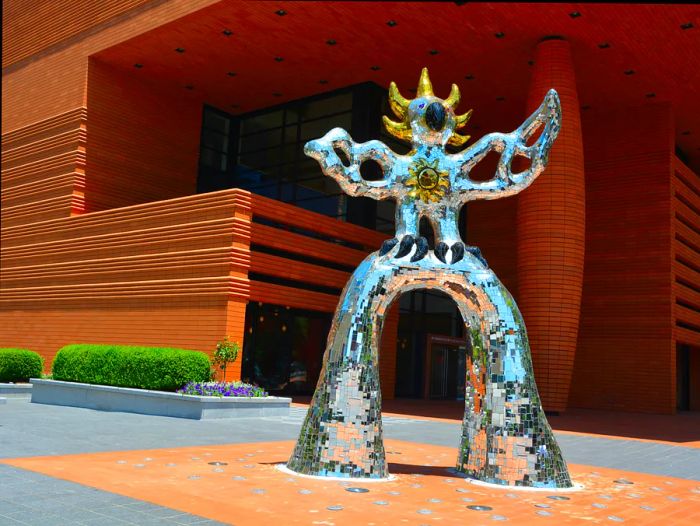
x,y
513,144
348,177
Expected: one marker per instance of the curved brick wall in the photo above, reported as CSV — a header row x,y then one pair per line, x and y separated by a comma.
x,y
551,234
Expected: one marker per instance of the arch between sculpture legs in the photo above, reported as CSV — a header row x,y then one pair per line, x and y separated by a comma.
x,y
506,438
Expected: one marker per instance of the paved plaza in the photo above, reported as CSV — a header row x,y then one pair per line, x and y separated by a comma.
x,y
64,465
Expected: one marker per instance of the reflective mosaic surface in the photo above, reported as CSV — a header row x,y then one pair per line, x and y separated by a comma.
x,y
505,435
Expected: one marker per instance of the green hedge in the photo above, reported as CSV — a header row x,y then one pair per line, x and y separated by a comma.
x,y
19,365
156,368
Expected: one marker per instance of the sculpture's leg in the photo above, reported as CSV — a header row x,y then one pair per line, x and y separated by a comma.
x,y
506,438
342,433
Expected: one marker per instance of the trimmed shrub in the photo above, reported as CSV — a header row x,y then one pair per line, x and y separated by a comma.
x,y
157,368
19,365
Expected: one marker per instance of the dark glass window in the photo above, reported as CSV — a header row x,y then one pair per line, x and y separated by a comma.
x,y
264,152
283,348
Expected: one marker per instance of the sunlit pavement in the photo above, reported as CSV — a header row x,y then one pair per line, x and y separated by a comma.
x,y
77,466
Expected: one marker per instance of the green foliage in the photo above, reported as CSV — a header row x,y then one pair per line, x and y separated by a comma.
x,y
19,365
226,353
477,347
161,369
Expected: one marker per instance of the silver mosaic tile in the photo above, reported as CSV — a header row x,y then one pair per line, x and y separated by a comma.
x,y
505,438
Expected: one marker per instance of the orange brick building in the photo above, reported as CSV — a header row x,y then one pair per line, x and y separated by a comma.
x,y
154,191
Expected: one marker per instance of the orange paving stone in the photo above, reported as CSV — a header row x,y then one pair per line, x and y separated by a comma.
x,y
249,489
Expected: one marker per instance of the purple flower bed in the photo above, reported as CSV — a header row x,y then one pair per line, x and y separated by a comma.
x,y
239,389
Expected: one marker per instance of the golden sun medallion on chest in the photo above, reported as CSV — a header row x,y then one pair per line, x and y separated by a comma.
x,y
428,183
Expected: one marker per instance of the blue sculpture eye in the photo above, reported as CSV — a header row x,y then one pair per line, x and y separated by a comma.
x,y
421,106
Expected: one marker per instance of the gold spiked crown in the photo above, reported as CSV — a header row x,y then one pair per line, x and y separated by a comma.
x,y
399,105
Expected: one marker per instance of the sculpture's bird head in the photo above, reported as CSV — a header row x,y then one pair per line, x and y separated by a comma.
x,y
426,119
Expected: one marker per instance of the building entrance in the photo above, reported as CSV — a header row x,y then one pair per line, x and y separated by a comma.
x,y
430,326
446,368
283,348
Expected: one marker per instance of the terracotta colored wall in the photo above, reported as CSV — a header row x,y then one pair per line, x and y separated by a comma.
x,y
551,228
142,143
170,273
43,169
491,226
45,117
30,26
626,353
686,254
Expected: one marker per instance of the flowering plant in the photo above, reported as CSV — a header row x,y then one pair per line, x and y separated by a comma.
x,y
239,389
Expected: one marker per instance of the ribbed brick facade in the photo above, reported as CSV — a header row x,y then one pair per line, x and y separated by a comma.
x,y
103,241
551,234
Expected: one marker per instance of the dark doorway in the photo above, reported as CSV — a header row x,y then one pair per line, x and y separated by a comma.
x,y
687,378
283,348
446,368
424,315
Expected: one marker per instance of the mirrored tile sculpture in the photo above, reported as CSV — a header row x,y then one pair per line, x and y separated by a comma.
x,y
506,438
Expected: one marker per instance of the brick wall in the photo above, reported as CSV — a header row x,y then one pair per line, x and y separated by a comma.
x,y
551,234
169,273
626,353
43,169
142,142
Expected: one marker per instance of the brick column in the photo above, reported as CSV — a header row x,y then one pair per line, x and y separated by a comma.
x,y
551,234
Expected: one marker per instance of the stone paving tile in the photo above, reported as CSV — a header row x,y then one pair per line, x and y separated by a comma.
x,y
34,429
426,490
31,430
41,500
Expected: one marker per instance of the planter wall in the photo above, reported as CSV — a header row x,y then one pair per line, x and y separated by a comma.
x,y
142,401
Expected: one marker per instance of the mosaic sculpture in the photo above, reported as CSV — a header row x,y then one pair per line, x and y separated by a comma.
x,y
506,438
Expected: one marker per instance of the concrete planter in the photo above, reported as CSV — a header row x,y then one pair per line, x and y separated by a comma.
x,y
142,401
15,391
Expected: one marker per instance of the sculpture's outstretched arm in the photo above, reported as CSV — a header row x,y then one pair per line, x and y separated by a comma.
x,y
348,177
512,144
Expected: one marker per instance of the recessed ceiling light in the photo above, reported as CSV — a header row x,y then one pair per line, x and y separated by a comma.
x,y
227,32
375,68
469,77
391,23
189,86
500,98
280,12
686,132
434,52
585,107
331,42
650,95
500,34
323,81
629,72
530,62
179,49
687,25
138,66
231,73
604,45
279,59
276,94
574,14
